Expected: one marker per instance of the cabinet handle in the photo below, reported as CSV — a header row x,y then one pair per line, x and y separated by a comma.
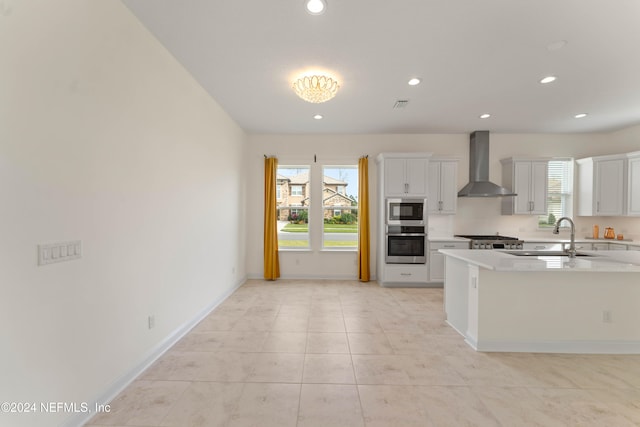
x,y
440,205
406,188
540,247
597,206
405,274
449,246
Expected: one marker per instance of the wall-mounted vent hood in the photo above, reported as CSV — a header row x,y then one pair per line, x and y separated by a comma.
x,y
479,184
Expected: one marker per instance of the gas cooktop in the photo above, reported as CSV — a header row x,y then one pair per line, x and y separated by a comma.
x,y
495,241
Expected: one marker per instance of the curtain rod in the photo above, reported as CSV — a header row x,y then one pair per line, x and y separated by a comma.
x,y
366,156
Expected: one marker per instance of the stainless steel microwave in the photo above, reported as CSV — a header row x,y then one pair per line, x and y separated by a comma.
x,y
406,211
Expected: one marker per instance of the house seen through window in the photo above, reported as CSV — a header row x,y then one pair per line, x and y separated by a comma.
x,y
560,192
339,220
340,207
292,186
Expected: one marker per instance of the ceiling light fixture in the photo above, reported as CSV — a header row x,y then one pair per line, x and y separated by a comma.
x,y
414,81
548,79
318,117
315,7
580,116
315,89
485,116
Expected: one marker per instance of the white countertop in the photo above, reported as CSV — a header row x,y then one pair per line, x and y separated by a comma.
x,y
601,261
447,239
542,239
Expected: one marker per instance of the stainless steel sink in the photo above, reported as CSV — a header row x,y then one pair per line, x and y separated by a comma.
x,y
543,253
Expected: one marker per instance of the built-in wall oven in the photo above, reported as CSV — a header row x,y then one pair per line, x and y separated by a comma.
x,y
406,231
406,244
406,211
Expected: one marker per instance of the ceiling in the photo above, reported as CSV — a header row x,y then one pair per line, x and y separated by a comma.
x,y
473,56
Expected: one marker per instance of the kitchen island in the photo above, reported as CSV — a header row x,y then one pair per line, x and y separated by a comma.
x,y
502,302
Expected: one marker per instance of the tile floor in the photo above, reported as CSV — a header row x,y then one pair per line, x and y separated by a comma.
x,y
329,353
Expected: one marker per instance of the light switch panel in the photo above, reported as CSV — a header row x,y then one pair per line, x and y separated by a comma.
x,y
58,252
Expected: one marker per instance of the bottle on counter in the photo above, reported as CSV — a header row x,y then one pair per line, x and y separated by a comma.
x,y
596,231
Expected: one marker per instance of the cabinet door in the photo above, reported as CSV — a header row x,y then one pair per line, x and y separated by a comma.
x,y
433,198
633,182
416,177
609,183
448,187
394,181
539,174
542,246
436,266
522,187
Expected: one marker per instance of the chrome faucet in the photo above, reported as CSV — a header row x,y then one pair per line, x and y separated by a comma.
x,y
572,248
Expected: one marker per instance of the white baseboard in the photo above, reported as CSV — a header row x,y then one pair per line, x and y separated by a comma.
x,y
574,347
311,277
154,354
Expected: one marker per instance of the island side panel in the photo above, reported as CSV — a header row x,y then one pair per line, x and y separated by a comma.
x,y
456,289
557,312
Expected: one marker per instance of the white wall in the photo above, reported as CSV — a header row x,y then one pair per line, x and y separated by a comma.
x,y
474,215
105,138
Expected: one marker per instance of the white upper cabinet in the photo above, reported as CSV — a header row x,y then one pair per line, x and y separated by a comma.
x,y
602,186
405,175
633,184
528,178
443,194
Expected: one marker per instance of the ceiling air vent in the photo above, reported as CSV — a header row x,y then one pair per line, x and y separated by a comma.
x,y
400,104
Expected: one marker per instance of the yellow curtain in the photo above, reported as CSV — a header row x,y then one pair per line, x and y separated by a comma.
x,y
363,220
271,261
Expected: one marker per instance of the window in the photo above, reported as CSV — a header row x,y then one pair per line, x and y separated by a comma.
x,y
340,207
293,207
560,192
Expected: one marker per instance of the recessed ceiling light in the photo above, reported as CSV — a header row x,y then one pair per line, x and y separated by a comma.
x,y
580,116
548,79
318,117
414,81
315,7
485,116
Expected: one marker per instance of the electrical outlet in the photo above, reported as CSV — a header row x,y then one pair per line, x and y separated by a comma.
x,y
152,321
607,316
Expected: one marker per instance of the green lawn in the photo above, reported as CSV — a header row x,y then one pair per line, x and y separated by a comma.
x,y
293,243
345,244
327,244
328,228
296,228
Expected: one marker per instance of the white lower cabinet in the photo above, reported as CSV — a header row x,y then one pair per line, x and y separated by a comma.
x,y
542,246
617,247
600,247
406,273
436,259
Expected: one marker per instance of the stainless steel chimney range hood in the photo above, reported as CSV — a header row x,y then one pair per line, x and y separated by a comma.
x,y
479,184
